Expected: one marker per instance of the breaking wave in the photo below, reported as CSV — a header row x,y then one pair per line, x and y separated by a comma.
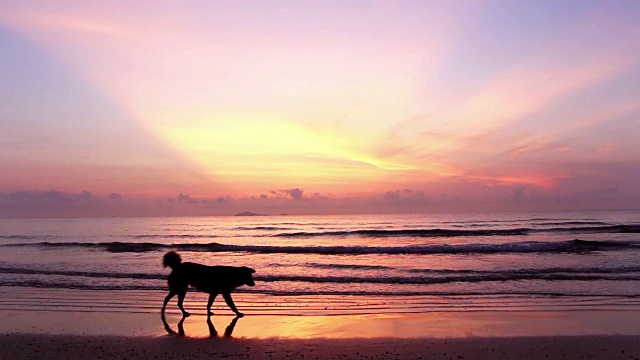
x,y
571,246
458,233
568,227
435,276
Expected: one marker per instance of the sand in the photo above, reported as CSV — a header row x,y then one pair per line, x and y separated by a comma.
x,y
51,347
131,313
113,325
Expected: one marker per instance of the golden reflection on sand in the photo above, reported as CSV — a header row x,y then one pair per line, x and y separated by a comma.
x,y
426,325
339,326
399,325
284,326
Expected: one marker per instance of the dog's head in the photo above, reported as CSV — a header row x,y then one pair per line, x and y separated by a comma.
x,y
171,259
247,277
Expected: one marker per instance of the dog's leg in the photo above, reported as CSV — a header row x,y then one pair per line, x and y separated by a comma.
x,y
166,301
229,301
181,296
212,298
164,305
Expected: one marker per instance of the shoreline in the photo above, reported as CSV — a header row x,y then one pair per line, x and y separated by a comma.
x,y
69,324
137,314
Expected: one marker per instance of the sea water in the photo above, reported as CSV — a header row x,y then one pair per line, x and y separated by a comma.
x,y
339,264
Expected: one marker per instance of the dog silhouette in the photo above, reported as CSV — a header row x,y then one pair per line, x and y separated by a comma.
x,y
213,280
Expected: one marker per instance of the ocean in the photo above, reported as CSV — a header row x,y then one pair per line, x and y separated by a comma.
x,y
347,264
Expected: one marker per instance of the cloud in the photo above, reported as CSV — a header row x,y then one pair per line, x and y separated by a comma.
x,y
406,197
187,199
536,146
296,193
585,187
53,201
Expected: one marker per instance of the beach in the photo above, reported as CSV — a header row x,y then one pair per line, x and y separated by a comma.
x,y
513,286
137,314
134,330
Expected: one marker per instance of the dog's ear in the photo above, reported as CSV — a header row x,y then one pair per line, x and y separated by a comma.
x,y
248,269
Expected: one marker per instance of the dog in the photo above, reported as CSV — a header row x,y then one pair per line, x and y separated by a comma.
x,y
213,280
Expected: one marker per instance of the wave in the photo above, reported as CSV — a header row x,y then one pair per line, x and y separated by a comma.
x,y
526,272
588,223
443,276
91,274
436,272
459,233
28,237
173,236
554,219
268,228
348,266
575,227
401,280
624,229
323,292
77,286
408,233
571,246
515,273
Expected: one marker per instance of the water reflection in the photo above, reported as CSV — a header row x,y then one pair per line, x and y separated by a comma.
x,y
228,331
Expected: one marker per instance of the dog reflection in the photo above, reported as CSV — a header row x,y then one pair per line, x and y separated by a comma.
x,y
228,331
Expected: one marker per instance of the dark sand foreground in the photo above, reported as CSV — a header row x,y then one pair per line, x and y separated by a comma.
x,y
50,347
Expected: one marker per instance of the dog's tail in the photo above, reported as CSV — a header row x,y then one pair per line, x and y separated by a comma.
x,y
171,259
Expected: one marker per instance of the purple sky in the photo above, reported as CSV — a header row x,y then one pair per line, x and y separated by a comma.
x,y
201,107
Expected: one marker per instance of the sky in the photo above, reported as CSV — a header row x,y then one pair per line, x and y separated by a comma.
x,y
154,108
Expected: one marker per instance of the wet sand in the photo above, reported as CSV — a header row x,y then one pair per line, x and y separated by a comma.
x,y
137,313
70,324
428,325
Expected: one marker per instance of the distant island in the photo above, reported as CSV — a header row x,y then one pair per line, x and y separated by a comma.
x,y
249,213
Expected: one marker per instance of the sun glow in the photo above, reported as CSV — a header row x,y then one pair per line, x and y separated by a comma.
x,y
420,105
271,149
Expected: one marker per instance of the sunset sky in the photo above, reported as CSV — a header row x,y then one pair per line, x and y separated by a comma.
x,y
310,107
